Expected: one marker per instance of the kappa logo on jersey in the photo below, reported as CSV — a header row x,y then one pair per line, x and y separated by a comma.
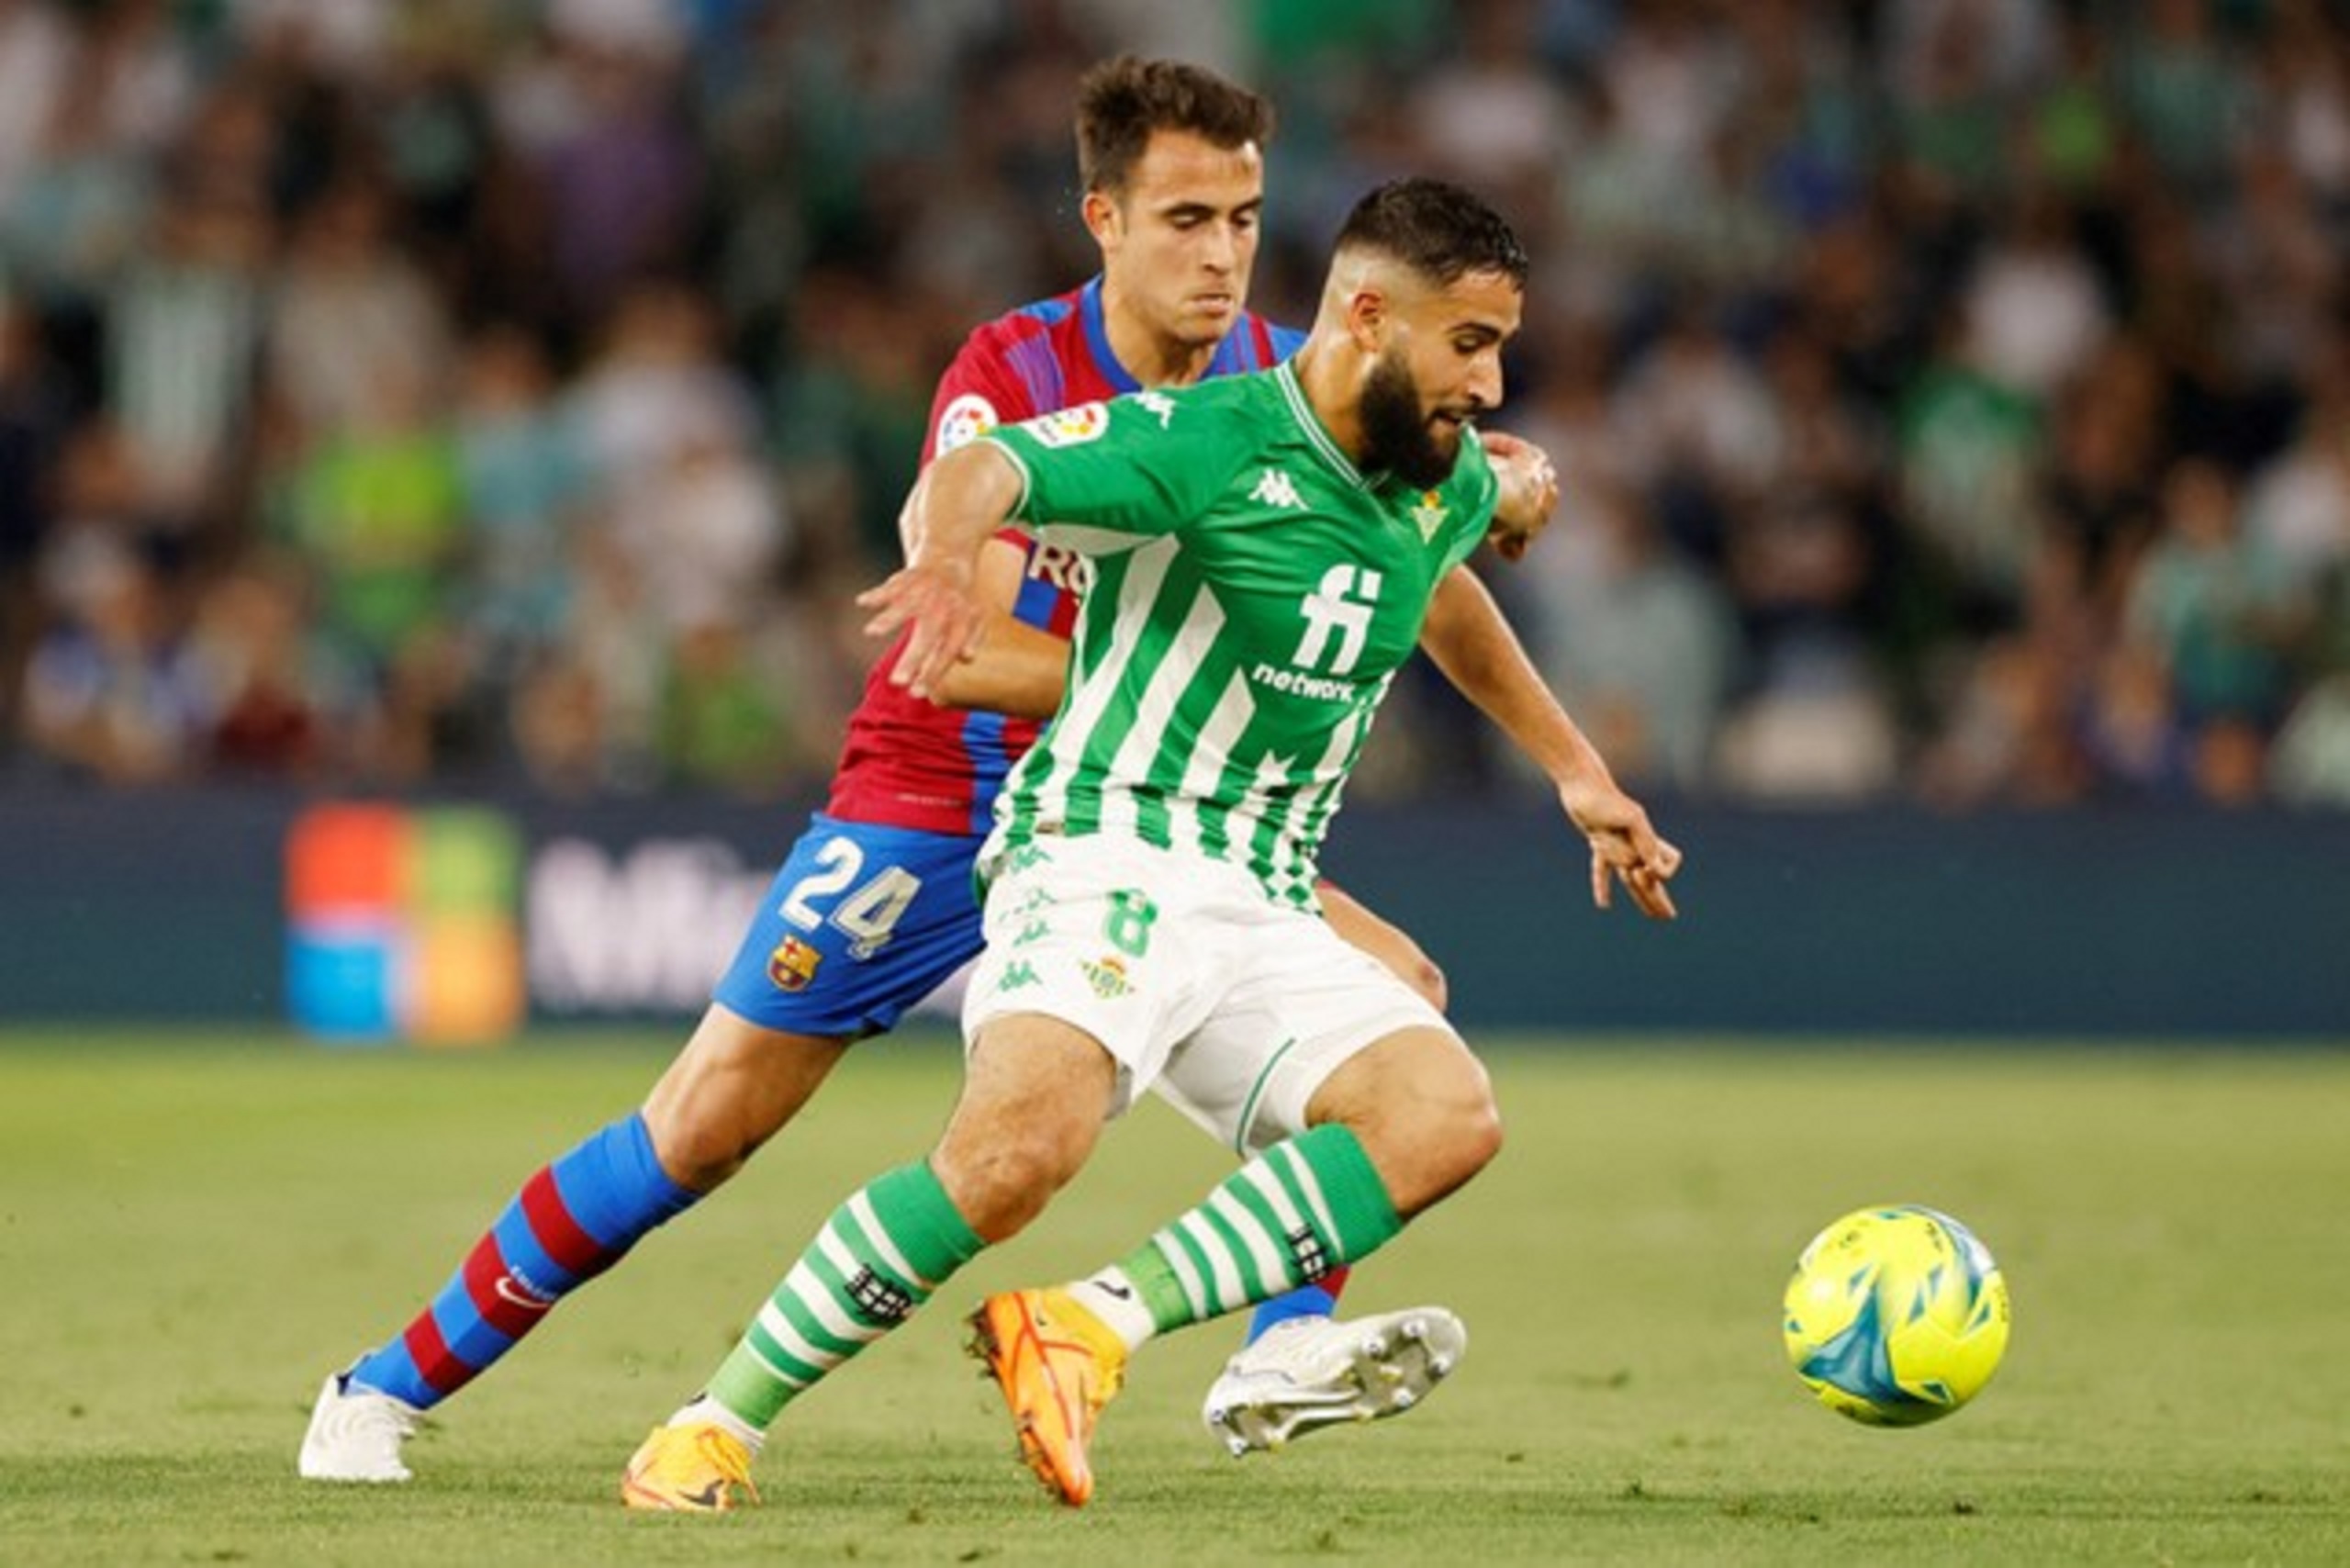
x,y
1430,514
1341,606
1159,403
963,421
1033,901
1276,490
1026,857
1070,427
793,964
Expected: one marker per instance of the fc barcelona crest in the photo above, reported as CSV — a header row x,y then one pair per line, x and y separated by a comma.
x,y
793,964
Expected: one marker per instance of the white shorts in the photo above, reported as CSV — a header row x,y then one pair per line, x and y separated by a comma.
x,y
1230,1007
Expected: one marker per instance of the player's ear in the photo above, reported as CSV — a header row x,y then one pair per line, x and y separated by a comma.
x,y
1102,219
1368,317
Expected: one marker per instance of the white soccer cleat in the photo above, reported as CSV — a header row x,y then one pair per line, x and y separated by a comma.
x,y
1309,1373
355,1434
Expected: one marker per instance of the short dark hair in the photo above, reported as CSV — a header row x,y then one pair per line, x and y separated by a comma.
x,y
1122,102
1437,229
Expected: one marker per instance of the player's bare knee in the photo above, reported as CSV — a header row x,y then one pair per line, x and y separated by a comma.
x,y
1035,1092
730,1089
1000,1184
1424,1110
1456,1138
699,1139
695,1154
1475,1138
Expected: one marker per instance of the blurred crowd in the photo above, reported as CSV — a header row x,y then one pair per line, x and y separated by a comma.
x,y
1953,396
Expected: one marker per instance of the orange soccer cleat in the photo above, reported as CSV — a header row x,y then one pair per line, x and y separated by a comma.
x,y
1058,1365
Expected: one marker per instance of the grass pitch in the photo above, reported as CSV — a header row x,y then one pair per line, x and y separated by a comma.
x,y
194,1230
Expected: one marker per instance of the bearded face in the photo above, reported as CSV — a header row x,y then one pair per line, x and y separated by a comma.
x,y
1400,436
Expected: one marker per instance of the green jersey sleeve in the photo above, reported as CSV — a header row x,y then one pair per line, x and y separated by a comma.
x,y
1118,472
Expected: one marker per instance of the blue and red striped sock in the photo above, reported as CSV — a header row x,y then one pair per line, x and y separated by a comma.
x,y
572,1220
1319,1299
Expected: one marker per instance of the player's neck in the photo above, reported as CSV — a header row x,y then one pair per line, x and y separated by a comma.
x,y
1149,358
1332,380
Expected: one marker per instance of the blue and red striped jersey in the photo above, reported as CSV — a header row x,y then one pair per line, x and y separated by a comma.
x,y
908,762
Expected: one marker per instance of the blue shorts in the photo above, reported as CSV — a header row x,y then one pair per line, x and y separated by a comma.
x,y
861,923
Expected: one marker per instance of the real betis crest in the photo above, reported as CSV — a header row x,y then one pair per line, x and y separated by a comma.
x,y
1429,515
1108,977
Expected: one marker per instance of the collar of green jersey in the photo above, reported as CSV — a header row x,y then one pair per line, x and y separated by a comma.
x,y
1316,434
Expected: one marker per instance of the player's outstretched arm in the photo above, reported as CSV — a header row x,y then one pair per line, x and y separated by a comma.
x,y
1017,669
1472,642
955,507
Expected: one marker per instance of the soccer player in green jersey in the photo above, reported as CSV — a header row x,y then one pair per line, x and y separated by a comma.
x,y
1171,158
1267,550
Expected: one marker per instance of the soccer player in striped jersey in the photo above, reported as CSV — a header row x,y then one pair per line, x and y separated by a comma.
x,y
873,908
1267,550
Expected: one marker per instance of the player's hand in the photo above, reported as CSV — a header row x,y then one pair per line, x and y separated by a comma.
x,y
1529,492
936,599
1624,847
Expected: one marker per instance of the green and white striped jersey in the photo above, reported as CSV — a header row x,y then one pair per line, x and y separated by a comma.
x,y
1253,595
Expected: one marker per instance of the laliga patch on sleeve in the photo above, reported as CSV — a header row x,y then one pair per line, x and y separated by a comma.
x,y
1070,427
965,419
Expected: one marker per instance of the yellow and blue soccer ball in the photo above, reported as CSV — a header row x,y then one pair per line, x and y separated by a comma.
x,y
1895,1315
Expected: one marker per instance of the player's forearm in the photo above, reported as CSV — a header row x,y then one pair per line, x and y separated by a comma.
x,y
1018,670
1514,698
1472,643
959,504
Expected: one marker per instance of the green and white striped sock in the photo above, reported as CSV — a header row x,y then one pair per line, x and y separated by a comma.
x,y
1300,1209
878,1258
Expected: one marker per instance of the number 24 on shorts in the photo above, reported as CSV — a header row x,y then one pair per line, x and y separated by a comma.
x,y
869,912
